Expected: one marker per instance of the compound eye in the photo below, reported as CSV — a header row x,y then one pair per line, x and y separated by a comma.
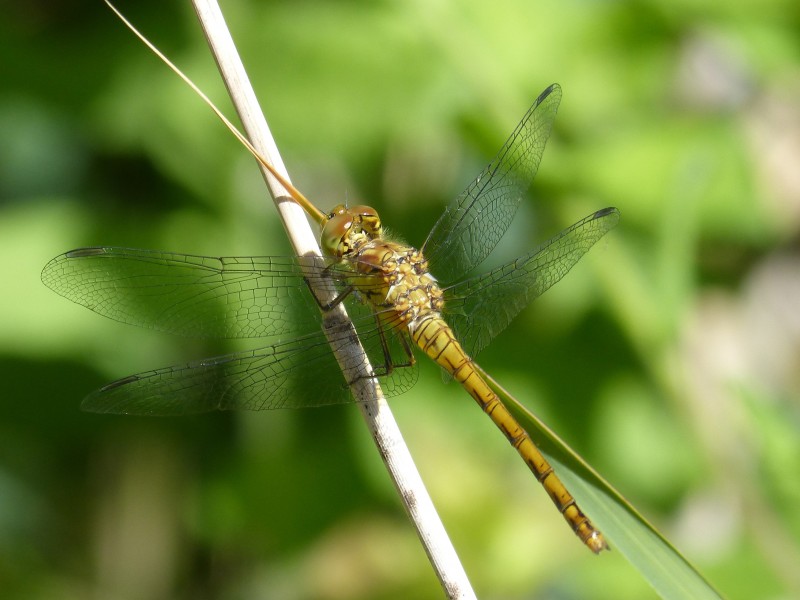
x,y
363,210
334,230
368,219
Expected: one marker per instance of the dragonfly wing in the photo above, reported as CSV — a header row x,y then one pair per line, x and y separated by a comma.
x,y
481,307
260,379
193,295
472,225
294,374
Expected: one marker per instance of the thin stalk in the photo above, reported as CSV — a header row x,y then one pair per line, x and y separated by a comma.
x,y
373,407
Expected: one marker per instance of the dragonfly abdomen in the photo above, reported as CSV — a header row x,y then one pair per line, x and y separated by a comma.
x,y
434,337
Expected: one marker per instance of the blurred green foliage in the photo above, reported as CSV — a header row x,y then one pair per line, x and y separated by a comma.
x,y
668,357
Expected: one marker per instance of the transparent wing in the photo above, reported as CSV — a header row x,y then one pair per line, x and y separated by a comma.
x,y
298,373
199,296
472,225
481,307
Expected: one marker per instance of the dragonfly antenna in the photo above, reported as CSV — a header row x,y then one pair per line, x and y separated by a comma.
x,y
296,195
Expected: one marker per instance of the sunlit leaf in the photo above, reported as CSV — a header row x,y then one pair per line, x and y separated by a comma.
x,y
625,529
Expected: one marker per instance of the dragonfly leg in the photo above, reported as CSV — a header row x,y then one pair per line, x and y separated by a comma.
x,y
389,362
326,306
387,365
336,301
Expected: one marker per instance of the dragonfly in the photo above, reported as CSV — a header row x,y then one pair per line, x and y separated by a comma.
x,y
400,300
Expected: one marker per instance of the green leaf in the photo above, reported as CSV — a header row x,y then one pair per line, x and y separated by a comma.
x,y
625,529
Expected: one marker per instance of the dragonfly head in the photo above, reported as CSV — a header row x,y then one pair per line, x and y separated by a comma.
x,y
346,228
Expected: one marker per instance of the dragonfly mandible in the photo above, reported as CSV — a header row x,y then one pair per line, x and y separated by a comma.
x,y
399,298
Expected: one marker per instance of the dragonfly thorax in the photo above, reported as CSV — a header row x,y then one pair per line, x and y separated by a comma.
x,y
347,228
397,282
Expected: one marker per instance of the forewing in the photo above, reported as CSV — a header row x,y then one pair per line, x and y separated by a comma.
x,y
481,307
201,296
472,225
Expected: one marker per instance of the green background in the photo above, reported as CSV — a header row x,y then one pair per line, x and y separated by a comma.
x,y
668,358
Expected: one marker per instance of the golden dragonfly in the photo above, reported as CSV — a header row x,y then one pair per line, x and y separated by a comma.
x,y
398,297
